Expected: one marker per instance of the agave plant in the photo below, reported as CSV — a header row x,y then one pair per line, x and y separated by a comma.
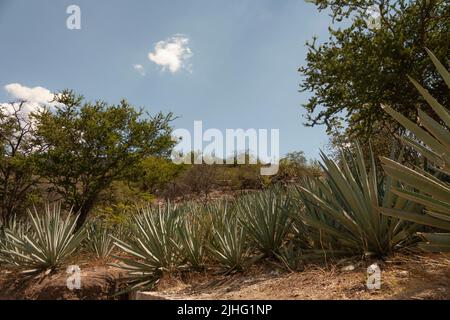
x,y
192,235
45,244
344,207
229,246
291,257
430,188
99,239
152,246
266,218
20,228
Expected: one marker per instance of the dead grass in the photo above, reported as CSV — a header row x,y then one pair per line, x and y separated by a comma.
x,y
403,277
425,276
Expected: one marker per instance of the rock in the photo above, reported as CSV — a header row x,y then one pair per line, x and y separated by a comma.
x,y
350,267
403,273
146,295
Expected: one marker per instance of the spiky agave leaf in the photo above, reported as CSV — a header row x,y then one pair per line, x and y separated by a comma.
x,y
290,257
429,190
192,242
266,218
50,240
152,246
99,239
344,208
229,246
17,227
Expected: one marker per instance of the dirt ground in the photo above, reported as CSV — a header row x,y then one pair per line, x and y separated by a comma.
x,y
97,283
402,277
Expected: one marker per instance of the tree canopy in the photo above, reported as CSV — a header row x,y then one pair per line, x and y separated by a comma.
x,y
18,156
90,145
359,67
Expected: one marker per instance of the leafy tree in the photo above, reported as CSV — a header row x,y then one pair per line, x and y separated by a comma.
x,y
296,158
294,165
90,145
18,152
156,172
360,67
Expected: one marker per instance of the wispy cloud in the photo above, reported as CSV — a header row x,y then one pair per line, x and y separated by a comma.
x,y
139,68
172,53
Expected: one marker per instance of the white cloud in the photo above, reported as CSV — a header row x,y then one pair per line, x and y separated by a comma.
x,y
172,53
139,68
35,99
33,95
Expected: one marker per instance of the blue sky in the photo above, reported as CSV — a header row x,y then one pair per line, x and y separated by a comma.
x,y
242,72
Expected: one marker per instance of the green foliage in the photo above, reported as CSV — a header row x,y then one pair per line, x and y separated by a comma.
x,y
192,234
295,166
18,154
20,228
90,145
118,203
291,257
239,177
156,172
343,208
115,214
152,246
99,239
229,246
43,245
358,67
430,186
266,218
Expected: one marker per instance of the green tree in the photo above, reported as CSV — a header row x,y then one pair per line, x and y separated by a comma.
x,y
295,165
360,67
18,152
296,158
90,145
157,172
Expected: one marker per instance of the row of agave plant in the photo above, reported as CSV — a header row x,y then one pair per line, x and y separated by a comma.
x,y
45,241
157,239
354,209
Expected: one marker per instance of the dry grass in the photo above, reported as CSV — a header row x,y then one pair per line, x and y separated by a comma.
x,y
403,277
